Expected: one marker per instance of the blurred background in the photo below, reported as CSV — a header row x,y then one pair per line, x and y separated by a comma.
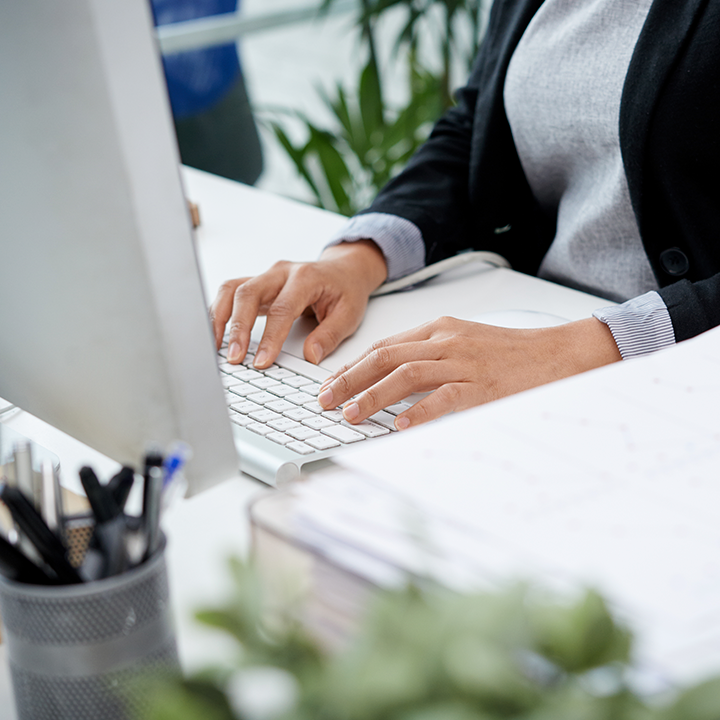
x,y
319,100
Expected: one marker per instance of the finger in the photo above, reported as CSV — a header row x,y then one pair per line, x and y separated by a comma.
x,y
418,334
221,308
288,306
339,323
247,301
379,363
450,397
411,377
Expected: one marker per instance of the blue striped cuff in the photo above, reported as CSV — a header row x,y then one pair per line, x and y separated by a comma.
x,y
640,326
400,241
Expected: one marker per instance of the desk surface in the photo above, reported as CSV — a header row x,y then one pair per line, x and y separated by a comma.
x,y
243,231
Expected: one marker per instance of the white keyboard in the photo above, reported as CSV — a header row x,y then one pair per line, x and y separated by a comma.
x,y
278,423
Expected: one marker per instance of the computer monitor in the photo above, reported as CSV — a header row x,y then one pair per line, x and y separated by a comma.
x,y
104,331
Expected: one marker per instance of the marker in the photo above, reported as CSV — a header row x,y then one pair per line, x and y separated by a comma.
x,y
119,486
109,524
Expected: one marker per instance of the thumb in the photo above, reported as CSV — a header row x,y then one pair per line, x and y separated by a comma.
x,y
332,330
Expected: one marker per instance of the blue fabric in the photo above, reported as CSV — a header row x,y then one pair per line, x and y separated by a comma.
x,y
197,79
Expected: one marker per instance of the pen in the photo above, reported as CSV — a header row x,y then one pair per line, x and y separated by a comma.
x,y
43,539
152,492
51,498
109,524
14,565
24,480
119,486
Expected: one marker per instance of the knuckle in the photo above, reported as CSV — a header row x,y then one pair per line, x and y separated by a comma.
x,y
280,308
381,358
342,384
450,394
420,413
228,287
371,398
409,374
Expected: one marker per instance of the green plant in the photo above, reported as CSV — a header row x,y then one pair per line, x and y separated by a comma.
x,y
430,655
373,139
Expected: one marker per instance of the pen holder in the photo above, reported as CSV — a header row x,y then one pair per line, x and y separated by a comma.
x,y
77,652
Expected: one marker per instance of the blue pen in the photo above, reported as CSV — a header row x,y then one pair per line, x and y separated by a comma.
x,y
175,461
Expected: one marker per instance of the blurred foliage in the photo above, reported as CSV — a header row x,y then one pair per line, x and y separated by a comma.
x,y
428,655
372,139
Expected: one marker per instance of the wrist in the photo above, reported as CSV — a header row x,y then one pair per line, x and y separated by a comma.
x,y
364,258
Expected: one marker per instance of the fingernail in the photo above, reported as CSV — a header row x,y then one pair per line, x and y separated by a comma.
x,y
317,352
260,359
402,423
351,411
233,352
325,398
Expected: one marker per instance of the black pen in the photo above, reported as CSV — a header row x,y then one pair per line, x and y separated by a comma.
x,y
15,565
152,496
119,486
29,521
109,524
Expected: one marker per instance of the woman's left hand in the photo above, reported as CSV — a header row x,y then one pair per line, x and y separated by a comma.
x,y
462,364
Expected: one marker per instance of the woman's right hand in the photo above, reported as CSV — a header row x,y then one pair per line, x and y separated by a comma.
x,y
335,289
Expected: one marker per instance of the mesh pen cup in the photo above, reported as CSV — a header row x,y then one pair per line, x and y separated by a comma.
x,y
77,652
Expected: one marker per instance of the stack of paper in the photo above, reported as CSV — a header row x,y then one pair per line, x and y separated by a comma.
x,y
609,479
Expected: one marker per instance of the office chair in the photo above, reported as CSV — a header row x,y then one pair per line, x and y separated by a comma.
x,y
215,127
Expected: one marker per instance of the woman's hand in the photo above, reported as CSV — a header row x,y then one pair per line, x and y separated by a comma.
x,y
462,364
335,289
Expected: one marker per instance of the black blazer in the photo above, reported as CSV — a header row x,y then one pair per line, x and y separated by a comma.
x,y
465,187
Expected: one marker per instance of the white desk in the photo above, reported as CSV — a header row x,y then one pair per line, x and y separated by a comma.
x,y
243,231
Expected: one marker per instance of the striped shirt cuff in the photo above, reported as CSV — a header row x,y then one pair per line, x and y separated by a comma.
x,y
400,241
640,326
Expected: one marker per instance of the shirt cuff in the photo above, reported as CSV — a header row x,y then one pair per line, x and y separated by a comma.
x,y
640,326
400,241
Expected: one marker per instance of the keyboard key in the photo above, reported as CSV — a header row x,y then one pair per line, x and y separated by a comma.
x,y
229,368
279,373
385,419
335,415
264,416
312,389
302,433
264,383
248,360
261,397
238,419
299,398
314,407
242,389
284,424
246,407
260,428
300,447
297,381
343,434
322,442
279,405
282,390
279,438
248,375
318,422
368,429
398,408
298,414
